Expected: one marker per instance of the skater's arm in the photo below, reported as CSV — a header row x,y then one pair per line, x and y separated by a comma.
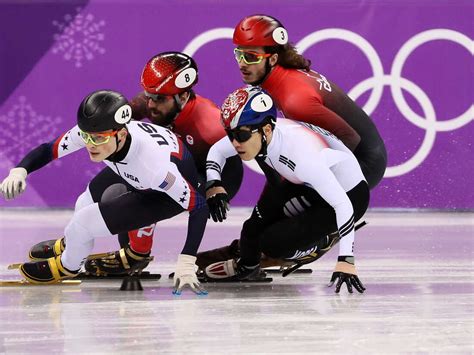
x,y
15,183
42,155
317,175
216,158
216,195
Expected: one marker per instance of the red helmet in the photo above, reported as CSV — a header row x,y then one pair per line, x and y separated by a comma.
x,y
169,73
260,30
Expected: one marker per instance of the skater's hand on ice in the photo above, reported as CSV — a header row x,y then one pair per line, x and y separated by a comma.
x,y
185,275
345,272
14,184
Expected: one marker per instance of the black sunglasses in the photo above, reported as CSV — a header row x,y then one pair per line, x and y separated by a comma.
x,y
156,97
239,135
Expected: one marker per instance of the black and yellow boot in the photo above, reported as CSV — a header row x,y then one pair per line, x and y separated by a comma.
x,y
47,249
120,262
46,271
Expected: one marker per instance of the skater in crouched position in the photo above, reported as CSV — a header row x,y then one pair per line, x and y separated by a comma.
x,y
266,58
168,100
315,190
152,161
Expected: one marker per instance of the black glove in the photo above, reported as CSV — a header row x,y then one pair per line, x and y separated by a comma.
x,y
345,272
218,206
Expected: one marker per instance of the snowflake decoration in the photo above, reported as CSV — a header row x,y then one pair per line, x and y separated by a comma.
x,y
78,37
22,130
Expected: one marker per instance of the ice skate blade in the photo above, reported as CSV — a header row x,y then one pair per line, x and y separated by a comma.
x,y
14,266
298,271
15,283
205,279
144,276
218,281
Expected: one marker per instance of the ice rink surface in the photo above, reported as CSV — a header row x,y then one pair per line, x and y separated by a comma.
x,y
417,268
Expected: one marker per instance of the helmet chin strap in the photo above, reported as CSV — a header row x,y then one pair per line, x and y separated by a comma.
x,y
262,154
180,105
117,141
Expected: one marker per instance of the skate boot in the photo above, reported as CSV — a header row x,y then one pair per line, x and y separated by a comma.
x,y
47,249
206,258
232,270
46,271
232,251
120,262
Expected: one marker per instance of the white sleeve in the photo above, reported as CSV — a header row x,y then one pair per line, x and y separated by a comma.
x,y
317,175
68,143
217,156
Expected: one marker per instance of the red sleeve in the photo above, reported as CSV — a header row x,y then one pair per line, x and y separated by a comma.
x,y
307,107
139,107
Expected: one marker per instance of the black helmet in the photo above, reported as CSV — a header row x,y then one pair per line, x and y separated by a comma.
x,y
103,110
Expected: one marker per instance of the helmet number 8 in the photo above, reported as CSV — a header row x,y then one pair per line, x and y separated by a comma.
x,y
186,78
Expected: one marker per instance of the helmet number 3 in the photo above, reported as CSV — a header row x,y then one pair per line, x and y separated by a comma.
x,y
280,36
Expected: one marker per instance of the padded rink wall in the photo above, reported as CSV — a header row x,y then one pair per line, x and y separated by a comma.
x,y
408,63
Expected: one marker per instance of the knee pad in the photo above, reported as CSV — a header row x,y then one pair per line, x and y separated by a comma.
x,y
113,191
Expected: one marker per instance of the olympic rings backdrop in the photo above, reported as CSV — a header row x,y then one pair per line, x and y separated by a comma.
x,y
408,63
